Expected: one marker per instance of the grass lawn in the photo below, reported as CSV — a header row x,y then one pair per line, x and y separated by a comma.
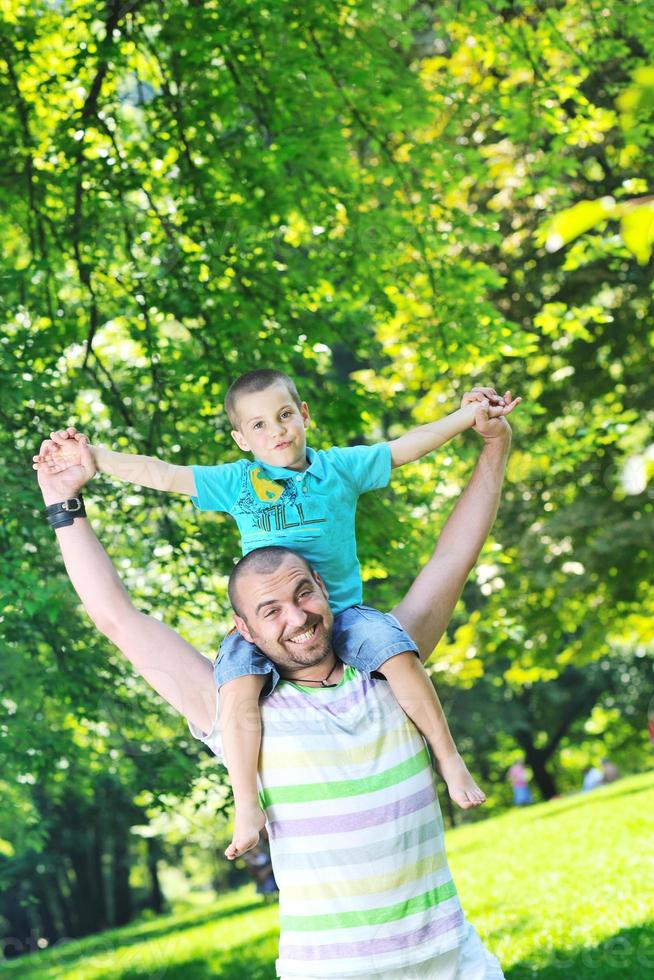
x,y
558,890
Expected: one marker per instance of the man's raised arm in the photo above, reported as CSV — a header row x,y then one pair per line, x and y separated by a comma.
x,y
175,669
428,605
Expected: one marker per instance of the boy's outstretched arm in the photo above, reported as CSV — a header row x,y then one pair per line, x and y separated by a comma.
x,y
425,438
175,669
428,605
63,450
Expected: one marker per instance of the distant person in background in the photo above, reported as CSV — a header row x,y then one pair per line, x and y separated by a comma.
x,y
593,778
260,867
518,776
650,730
600,777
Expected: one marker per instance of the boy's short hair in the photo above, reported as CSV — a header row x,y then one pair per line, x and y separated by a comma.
x,y
256,381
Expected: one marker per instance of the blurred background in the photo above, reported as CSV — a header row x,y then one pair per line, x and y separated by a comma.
x,y
392,202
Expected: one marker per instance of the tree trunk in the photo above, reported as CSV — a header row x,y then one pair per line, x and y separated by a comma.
x,y
122,896
17,940
60,883
156,899
536,760
98,875
49,918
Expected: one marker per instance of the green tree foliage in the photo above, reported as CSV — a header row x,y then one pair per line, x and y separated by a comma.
x,y
355,192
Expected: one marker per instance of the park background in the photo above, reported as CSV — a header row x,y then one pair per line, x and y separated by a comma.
x,y
391,201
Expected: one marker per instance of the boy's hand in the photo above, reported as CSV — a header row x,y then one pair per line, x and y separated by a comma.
x,y
61,450
499,405
481,394
67,481
490,421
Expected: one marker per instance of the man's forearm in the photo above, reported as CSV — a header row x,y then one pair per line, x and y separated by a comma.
x,y
469,524
426,608
147,471
93,576
170,665
425,438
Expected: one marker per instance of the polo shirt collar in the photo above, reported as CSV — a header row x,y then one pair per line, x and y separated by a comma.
x,y
316,467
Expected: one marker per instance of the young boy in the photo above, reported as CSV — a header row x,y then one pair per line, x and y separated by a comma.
x,y
290,495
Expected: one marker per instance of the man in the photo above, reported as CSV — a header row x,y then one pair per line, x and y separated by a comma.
x,y
400,922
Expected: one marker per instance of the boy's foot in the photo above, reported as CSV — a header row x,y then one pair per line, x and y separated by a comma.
x,y
460,784
248,823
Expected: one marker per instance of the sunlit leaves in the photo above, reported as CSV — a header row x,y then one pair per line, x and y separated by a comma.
x,y
637,229
576,220
637,99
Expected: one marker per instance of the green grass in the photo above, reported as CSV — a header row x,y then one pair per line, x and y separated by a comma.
x,y
559,890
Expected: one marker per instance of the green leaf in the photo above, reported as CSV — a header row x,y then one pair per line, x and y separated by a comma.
x,y
571,223
638,231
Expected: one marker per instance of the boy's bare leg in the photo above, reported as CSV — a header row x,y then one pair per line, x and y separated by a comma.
x,y
416,696
240,729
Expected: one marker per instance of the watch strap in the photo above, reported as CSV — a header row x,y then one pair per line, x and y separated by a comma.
x,y
64,513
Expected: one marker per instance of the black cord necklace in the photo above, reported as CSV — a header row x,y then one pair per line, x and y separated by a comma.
x,y
323,682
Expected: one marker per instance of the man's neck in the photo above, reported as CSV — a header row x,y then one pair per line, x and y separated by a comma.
x,y
326,674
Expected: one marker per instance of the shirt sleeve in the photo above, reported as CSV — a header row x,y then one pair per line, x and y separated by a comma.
x,y
364,467
212,739
217,486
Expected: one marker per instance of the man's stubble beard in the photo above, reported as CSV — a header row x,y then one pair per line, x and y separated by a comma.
x,y
285,657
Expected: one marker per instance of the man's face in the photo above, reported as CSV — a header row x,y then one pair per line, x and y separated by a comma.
x,y
272,427
287,615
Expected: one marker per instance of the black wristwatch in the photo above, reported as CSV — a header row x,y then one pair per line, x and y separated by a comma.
x,y
64,513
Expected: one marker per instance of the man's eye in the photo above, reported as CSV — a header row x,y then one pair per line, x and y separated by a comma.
x,y
269,612
304,593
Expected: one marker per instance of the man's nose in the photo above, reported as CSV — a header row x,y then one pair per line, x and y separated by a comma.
x,y
295,617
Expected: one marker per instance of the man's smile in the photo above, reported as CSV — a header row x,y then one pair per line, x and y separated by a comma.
x,y
305,637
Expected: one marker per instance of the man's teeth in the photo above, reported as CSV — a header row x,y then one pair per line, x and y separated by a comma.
x,y
303,637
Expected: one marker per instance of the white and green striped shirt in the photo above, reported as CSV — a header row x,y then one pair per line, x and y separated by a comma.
x,y
356,834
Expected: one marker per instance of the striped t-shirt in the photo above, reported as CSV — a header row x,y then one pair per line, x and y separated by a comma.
x,y
356,834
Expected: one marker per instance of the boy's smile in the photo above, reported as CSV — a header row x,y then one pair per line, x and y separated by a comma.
x,y
273,428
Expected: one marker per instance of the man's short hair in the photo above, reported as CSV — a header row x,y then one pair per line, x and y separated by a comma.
x,y
261,560
256,381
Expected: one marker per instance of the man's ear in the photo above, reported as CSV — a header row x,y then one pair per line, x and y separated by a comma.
x,y
323,587
240,440
242,627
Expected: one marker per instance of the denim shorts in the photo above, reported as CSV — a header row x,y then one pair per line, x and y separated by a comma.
x,y
364,637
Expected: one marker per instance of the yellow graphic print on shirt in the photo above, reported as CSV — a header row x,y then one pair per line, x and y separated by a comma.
x,y
265,489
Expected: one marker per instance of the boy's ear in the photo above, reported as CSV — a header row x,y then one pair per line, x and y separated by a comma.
x,y
240,440
242,627
304,412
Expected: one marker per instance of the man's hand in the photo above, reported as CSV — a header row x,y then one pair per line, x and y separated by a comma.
x,y
60,482
63,449
480,395
490,421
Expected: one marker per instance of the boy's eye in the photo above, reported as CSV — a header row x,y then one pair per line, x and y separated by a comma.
x,y
257,425
286,413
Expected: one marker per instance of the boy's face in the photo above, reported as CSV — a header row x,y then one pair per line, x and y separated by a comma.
x,y
272,427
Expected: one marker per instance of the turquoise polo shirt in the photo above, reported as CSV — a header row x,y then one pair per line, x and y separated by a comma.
x,y
311,512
